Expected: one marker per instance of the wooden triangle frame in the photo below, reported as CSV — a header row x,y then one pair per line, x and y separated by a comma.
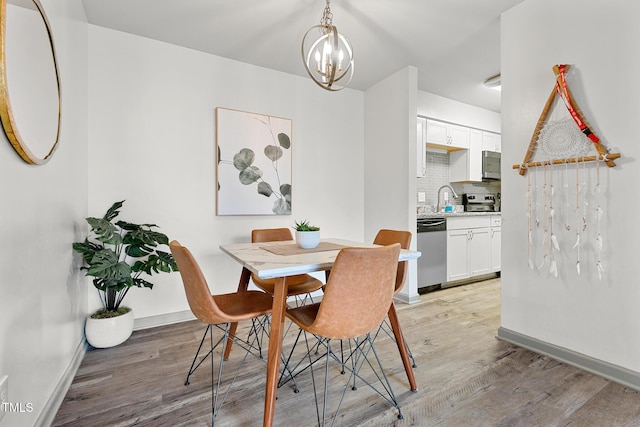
x,y
560,87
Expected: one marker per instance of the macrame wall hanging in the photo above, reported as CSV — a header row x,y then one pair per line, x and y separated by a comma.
x,y
564,210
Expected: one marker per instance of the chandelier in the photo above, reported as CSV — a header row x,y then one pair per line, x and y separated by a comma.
x,y
327,54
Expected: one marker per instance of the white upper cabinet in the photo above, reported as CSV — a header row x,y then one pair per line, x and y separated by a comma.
x,y
421,153
491,141
466,165
447,136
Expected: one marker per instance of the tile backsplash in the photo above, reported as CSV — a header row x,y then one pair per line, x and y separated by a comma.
x,y
438,175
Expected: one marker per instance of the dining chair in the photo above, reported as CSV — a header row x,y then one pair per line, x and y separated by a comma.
x,y
218,311
387,237
356,299
301,284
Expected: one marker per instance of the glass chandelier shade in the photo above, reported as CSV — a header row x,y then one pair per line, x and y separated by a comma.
x,y
327,54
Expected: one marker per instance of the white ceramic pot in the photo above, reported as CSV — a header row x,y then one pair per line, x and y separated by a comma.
x,y
308,239
105,333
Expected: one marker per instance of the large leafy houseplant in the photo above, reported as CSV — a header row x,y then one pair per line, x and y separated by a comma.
x,y
116,254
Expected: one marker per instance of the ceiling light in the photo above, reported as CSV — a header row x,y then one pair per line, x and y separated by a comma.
x,y
327,54
494,82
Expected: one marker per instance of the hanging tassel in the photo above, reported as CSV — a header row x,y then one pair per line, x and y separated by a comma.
x,y
544,261
600,270
553,269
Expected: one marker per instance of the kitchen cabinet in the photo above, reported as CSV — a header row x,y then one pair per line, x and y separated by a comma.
x,y
466,165
447,135
491,141
468,247
421,148
457,254
495,236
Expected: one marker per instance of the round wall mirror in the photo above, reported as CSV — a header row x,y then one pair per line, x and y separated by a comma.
x,y
29,81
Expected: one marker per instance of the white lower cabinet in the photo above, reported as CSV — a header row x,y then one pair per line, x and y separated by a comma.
x,y
479,251
468,247
496,243
457,254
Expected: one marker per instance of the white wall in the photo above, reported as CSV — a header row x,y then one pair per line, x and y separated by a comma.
x,y
390,158
43,295
596,318
152,142
438,107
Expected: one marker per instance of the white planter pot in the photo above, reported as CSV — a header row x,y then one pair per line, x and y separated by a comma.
x,y
308,239
105,333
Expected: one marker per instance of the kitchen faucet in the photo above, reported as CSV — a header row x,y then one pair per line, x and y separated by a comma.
x,y
453,192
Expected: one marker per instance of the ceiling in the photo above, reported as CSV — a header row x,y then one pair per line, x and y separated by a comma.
x,y
455,44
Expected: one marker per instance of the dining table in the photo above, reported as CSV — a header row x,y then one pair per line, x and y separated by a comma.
x,y
278,260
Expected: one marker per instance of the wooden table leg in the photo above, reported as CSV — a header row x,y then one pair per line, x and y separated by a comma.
x,y
243,284
402,346
275,348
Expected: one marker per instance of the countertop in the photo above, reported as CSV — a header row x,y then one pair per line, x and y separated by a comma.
x,y
455,214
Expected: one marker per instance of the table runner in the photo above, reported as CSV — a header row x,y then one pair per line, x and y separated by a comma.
x,y
294,249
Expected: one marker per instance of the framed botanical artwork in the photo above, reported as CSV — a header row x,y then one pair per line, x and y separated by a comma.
x,y
254,163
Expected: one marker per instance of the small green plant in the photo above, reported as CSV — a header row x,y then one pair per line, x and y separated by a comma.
x,y
305,226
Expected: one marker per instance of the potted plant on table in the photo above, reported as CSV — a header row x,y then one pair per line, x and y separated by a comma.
x,y
116,254
307,235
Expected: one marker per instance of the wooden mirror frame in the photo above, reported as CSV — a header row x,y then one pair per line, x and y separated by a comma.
x,y
6,114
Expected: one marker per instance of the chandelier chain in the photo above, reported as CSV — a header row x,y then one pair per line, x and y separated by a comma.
x,y
327,16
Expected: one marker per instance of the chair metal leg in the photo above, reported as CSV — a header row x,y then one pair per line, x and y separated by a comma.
x,y
218,400
193,364
326,385
292,371
386,328
256,344
358,358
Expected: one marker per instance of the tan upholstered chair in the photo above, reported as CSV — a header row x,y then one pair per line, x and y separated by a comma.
x,y
356,300
300,284
217,311
387,237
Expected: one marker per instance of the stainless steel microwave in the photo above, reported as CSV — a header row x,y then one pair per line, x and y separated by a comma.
x,y
490,165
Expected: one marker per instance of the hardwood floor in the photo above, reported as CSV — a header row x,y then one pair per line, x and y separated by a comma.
x,y
465,377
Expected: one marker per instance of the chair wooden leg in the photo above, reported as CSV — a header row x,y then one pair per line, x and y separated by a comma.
x,y
243,284
402,346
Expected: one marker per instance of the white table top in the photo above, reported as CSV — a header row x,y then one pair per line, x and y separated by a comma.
x,y
267,265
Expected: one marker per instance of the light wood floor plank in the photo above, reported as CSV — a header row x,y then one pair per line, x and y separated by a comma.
x,y
465,378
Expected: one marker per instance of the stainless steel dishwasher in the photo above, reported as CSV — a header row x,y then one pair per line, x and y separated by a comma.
x,y
432,242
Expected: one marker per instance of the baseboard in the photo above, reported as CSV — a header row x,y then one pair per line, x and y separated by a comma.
x,y
186,315
615,373
52,405
406,298
162,320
